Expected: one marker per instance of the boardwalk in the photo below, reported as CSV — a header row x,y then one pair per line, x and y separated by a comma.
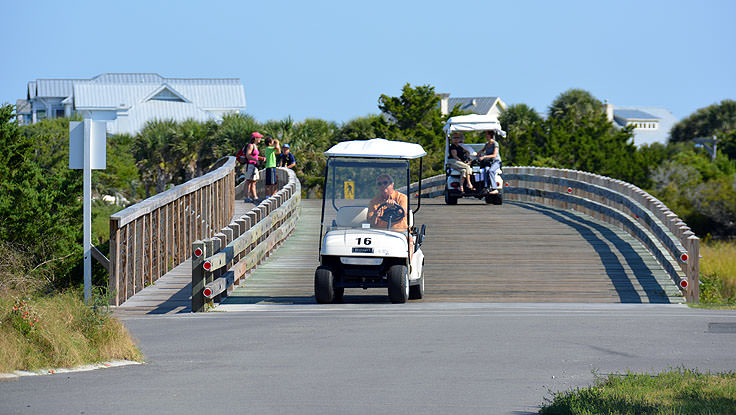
x,y
517,252
171,293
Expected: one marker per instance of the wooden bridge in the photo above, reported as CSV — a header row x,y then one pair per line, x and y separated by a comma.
x,y
560,236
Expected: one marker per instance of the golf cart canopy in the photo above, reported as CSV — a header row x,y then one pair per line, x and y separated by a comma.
x,y
472,122
376,148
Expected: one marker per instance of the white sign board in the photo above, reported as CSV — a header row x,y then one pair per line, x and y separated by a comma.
x,y
97,131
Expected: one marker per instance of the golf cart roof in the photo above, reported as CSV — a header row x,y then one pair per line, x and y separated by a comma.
x,y
376,148
472,122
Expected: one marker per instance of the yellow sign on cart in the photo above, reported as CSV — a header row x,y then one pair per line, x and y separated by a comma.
x,y
349,189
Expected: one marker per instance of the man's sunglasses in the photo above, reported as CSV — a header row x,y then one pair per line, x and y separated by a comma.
x,y
383,183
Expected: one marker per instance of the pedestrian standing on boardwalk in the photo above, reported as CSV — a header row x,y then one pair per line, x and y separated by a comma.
x,y
286,159
251,172
272,150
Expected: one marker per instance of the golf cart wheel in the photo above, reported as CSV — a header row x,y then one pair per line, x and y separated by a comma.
x,y
324,281
450,200
416,292
398,283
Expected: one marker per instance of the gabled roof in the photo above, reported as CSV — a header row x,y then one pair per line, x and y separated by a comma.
x,y
475,105
22,106
662,116
631,115
57,88
206,94
166,93
127,78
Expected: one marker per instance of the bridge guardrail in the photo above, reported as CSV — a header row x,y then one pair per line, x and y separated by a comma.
x,y
219,262
669,239
150,238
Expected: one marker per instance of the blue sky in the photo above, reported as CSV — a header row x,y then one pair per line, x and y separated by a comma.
x,y
333,59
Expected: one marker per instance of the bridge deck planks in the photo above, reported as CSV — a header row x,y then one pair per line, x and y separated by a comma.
x,y
516,252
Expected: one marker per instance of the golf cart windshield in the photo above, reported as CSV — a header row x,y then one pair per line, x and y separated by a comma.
x,y
352,194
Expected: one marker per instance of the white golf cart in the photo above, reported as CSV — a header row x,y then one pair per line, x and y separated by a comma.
x,y
368,241
481,183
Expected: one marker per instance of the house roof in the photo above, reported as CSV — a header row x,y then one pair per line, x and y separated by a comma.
x,y
664,118
205,93
475,105
22,106
634,114
56,88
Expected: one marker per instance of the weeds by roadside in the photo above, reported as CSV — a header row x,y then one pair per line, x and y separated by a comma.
x,y
59,331
718,272
677,391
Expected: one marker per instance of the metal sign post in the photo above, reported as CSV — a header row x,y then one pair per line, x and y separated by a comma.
x,y
87,151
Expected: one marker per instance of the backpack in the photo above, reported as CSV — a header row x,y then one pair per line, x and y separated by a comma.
x,y
241,156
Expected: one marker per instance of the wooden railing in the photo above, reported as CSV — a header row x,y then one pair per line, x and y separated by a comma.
x,y
669,239
150,238
219,262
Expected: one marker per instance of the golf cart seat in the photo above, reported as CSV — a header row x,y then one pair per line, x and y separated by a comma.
x,y
351,216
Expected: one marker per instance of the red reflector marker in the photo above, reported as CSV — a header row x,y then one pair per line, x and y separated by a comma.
x,y
507,184
683,283
207,292
207,265
198,252
569,190
683,257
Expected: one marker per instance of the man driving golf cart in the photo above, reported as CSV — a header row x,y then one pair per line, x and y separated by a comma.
x,y
473,170
368,236
388,209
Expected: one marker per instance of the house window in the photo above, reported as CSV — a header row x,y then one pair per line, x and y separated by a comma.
x,y
60,113
40,114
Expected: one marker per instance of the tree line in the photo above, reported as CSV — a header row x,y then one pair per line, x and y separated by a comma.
x,y
40,198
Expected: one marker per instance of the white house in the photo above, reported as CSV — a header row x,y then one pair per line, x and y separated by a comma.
x,y
128,101
474,105
651,124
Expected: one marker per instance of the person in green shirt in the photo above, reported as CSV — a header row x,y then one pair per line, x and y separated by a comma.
x,y
273,148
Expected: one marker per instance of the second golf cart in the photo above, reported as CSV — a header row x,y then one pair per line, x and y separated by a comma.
x,y
367,233
484,186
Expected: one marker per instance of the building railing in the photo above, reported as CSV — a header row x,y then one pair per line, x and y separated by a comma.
x,y
219,262
667,237
150,238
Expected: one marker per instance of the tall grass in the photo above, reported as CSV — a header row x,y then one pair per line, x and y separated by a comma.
x,y
680,392
40,328
59,331
718,272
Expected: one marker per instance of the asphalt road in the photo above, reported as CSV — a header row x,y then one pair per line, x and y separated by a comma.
x,y
381,358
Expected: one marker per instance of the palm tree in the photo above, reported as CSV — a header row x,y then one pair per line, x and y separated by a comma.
x,y
153,151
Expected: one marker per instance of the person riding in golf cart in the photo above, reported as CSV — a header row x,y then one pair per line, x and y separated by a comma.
x,y
368,237
473,170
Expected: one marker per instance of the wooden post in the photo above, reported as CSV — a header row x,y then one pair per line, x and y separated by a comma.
x,y
693,249
198,282
149,250
129,268
113,286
